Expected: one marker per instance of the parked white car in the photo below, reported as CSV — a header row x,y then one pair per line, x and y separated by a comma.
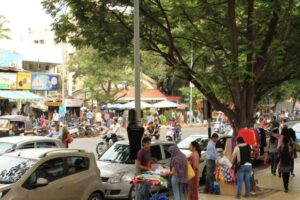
x,y
9,144
117,170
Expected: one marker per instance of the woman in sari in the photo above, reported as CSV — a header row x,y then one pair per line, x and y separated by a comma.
x,y
194,160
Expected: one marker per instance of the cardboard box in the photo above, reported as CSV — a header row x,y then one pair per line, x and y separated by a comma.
x,y
230,189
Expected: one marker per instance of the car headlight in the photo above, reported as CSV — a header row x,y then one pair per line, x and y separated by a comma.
x,y
3,193
117,178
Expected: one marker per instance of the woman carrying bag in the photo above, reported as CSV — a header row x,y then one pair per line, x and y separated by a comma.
x,y
66,137
194,161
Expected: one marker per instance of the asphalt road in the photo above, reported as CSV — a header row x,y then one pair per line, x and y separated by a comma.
x,y
89,144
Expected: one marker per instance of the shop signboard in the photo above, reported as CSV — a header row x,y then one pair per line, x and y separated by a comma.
x,y
8,81
10,59
44,81
24,81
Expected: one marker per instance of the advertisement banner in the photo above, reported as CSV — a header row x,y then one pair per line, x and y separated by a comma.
x,y
8,81
10,59
24,81
44,82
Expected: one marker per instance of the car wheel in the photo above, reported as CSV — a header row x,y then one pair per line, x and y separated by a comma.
x,y
96,196
132,192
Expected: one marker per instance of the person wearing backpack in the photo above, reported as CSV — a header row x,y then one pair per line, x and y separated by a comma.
x,y
241,158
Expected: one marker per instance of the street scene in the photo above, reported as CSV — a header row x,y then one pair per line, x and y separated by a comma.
x,y
149,100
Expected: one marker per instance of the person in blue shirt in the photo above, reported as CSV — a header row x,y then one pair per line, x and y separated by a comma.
x,y
55,133
211,157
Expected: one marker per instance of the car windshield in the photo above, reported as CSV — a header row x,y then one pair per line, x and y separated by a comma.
x,y
4,123
12,168
296,127
118,153
4,147
185,144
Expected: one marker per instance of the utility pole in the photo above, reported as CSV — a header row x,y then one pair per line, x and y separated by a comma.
x,y
137,62
191,88
135,130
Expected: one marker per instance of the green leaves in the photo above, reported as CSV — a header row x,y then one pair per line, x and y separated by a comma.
x,y
241,49
102,79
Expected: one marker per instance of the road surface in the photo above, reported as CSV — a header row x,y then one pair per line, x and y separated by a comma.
x,y
89,144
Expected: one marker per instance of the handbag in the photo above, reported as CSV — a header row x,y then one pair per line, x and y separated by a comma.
x,y
69,139
191,172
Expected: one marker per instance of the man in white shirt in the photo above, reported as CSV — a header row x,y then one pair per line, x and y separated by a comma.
x,y
55,117
115,127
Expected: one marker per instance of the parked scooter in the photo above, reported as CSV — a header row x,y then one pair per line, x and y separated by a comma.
x,y
174,133
108,139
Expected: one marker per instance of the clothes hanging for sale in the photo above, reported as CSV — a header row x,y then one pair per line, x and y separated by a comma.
x,y
263,140
248,135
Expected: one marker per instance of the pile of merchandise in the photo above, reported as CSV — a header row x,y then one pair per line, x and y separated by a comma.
x,y
225,174
152,179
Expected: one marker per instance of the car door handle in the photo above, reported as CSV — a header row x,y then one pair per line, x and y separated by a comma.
x,y
60,187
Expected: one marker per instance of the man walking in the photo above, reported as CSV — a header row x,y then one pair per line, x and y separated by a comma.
x,y
211,156
143,165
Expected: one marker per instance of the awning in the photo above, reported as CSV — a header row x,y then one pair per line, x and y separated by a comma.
x,y
24,96
131,105
165,104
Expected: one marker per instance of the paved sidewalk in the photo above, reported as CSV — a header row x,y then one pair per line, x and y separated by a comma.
x,y
271,187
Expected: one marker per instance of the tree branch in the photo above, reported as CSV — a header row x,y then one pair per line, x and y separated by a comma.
x,y
233,32
263,54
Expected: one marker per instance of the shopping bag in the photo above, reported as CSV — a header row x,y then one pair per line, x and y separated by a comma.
x,y
191,172
266,160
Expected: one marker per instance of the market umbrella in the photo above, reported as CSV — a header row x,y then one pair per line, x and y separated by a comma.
x,y
112,107
131,105
165,104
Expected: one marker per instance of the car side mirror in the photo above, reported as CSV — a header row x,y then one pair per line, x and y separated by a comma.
x,y
41,182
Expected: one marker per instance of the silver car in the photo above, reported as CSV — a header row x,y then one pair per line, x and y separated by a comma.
x,y
117,170
9,144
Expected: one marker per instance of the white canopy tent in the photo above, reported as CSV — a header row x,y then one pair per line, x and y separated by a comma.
x,y
131,105
165,104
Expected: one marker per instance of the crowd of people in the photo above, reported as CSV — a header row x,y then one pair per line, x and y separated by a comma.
x,y
183,187
280,152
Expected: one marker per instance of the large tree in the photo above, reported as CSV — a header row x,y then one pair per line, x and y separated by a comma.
x,y
241,49
102,80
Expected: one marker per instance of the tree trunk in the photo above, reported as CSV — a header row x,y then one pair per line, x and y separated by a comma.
x,y
244,111
294,103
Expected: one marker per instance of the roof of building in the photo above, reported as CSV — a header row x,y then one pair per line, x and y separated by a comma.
x,y
152,94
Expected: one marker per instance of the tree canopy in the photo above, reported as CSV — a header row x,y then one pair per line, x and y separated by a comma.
x,y
102,80
241,49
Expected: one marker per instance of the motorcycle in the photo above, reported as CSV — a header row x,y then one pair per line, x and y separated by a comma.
x,y
108,139
42,131
174,133
155,134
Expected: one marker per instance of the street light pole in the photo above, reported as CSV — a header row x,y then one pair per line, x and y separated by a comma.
x,y
137,62
191,88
